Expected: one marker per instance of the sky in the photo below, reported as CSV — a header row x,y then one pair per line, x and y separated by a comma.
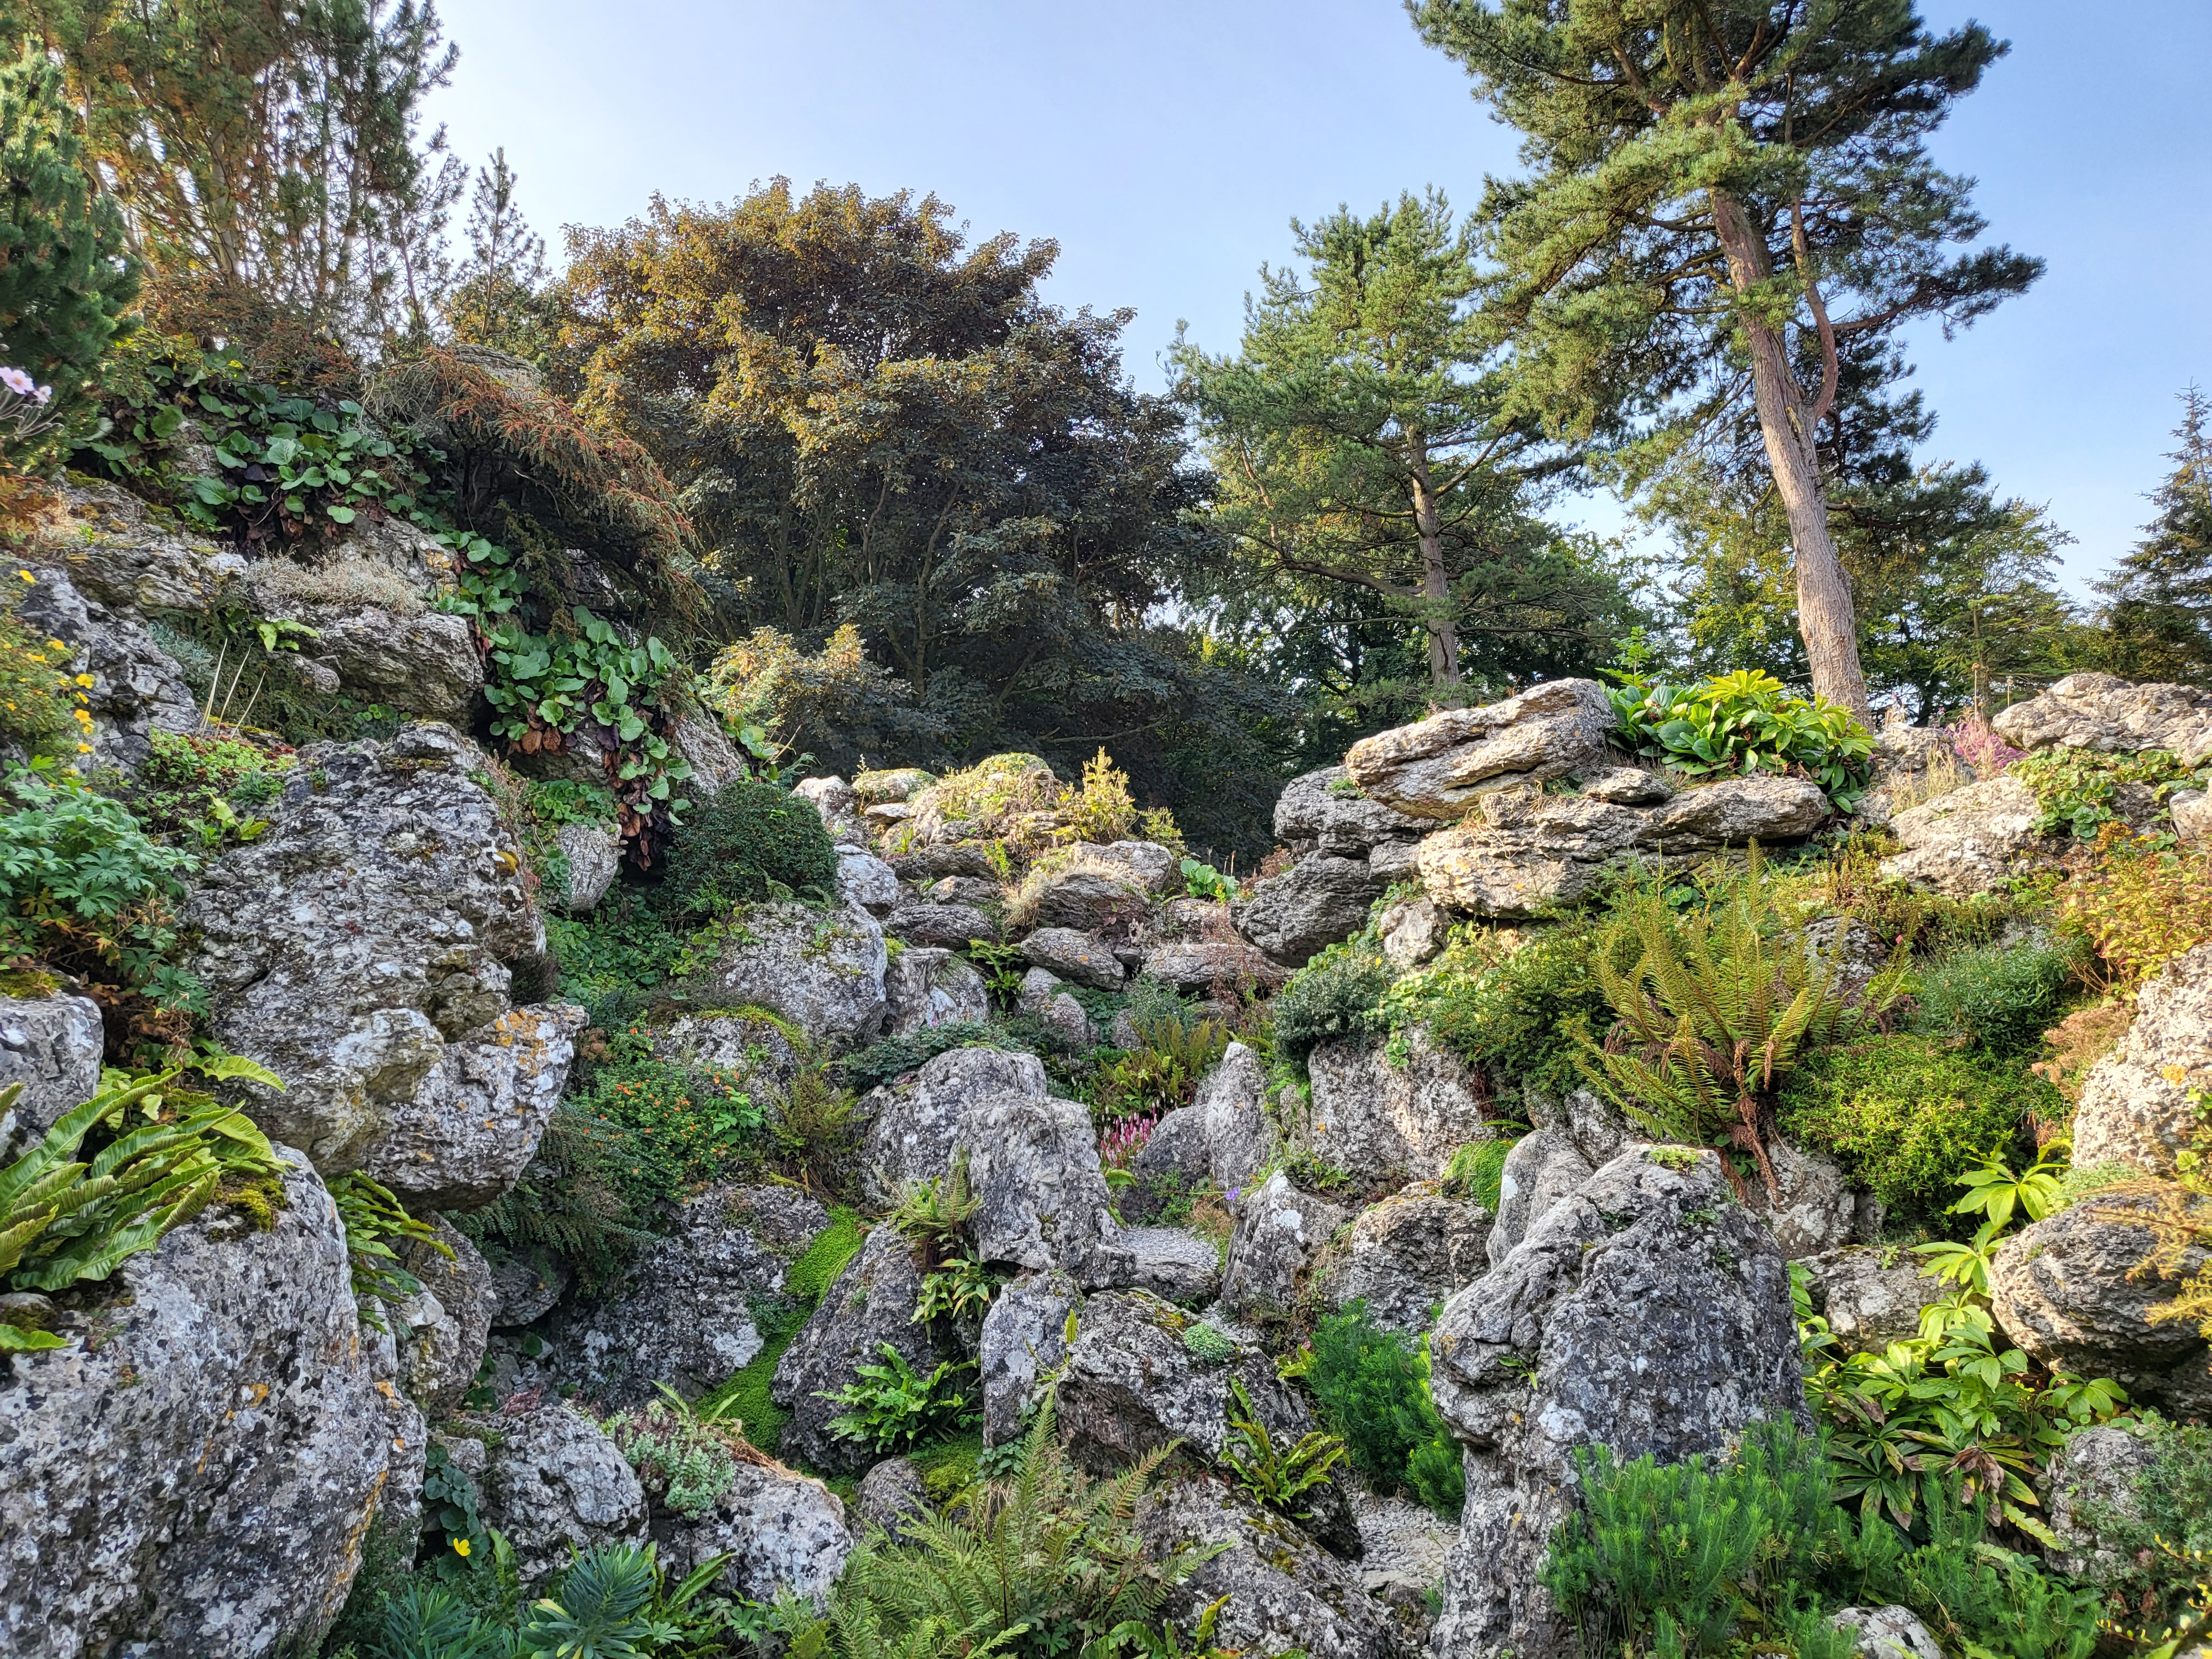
x,y
1167,147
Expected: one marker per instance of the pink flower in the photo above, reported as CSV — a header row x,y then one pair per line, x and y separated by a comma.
x,y
18,382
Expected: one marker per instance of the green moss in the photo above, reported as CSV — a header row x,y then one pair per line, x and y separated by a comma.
x,y
1906,1116
1478,1169
806,1281
809,1278
1514,1012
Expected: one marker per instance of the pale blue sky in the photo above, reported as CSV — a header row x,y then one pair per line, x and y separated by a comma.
x,y
1166,148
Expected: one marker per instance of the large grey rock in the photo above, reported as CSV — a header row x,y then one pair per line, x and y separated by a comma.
x,y
1438,767
1811,1207
2094,1474
821,969
1040,1195
594,856
121,557
1086,899
897,784
2192,817
554,1484
526,1285
1231,1106
137,688
909,1126
1649,1313
1172,1263
365,932
1890,1632
1075,956
1324,811
439,1355
1209,966
1406,1256
833,799
1314,902
1386,1117
1413,932
1736,811
1153,868
199,1466
682,1315
781,1531
1542,1169
748,1050
2067,1288
1525,850
866,880
714,759
871,1303
425,665
1967,842
1279,1231
1871,1295
927,985
894,1495
1284,1594
2104,711
2134,1110
469,1130
52,1046
1024,1337
1131,1383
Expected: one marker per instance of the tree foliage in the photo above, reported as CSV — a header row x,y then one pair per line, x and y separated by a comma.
x,y
2160,614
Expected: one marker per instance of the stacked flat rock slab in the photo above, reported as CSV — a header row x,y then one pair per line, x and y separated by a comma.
x,y
2112,715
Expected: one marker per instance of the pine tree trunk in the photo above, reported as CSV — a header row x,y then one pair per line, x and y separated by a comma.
x,y
1435,583
1824,617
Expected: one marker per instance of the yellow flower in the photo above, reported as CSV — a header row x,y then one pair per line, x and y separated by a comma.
x,y
27,575
84,748
84,679
83,716
460,1546
55,645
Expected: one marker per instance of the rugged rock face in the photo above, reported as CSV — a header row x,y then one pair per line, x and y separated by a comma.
x,y
1169,1262
363,936
1648,1313
1413,932
2096,1469
1314,902
448,1320
1133,1382
1405,1257
52,1046
948,926
1887,1633
1385,1120
204,1477
1201,966
925,985
1324,811
1024,1337
1968,840
594,856
1075,956
1812,1208
824,973
1870,1295
1279,1231
871,1303
137,687
781,1531
1284,1593
1224,1137
1543,1169
1437,768
425,664
2061,1287
2135,1106
866,880
834,801
893,1495
750,1048
909,1126
554,1483
1086,900
2104,711
682,1316
1041,1196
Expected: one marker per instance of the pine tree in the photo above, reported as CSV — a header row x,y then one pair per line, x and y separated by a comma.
x,y
2159,621
1724,195
65,282
494,301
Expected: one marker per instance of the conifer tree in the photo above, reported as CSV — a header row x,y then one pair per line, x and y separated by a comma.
x,y
65,282
494,301
2160,616
1727,197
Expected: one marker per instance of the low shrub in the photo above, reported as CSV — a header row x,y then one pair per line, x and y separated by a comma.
x,y
894,1057
2165,1519
2077,790
42,704
1908,1115
1372,1386
1513,1004
677,1127
751,842
1997,998
1337,994
2139,903
1748,722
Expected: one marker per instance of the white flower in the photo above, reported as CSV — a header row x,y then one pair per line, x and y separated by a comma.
x,y
43,393
18,382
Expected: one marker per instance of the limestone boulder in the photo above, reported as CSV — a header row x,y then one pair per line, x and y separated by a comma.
x,y
1084,900
927,985
1404,1258
2092,1476
1438,767
2192,817
894,1495
1284,1594
2105,713
871,1303
136,689
907,1128
1871,1295
1199,967
1736,811
1542,1170
833,801
1649,1314
1629,785
1890,1632
2134,1107
1524,851
1387,1115
1314,903
554,1484
866,882
593,852
198,1466
1967,842
714,759
1325,812
1073,955
1281,1230
121,557
1413,931
1152,867
900,784
933,860
425,664
783,1532
440,1353
526,1286
1041,1196
1811,1207
52,1046
682,1316
822,970
2067,1288
749,1049
1024,1337
1173,1264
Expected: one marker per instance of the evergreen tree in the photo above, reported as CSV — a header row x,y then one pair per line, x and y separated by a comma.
x,y
65,282
496,300
1363,437
2160,618
1727,198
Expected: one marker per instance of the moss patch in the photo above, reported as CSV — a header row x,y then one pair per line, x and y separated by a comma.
x,y
779,1319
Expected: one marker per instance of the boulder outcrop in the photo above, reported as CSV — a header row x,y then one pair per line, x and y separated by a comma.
x,y
780,1530
554,1484
1438,767
822,971
1404,1258
52,1046
1317,901
1968,840
871,1303
1386,1114
2104,711
907,1128
2135,1108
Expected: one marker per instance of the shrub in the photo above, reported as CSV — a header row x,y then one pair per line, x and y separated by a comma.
x,y
1337,994
2000,1000
1515,1009
1373,1388
779,702
684,1457
1907,1116
1746,721
2077,789
2170,1504
751,842
675,1128
2139,904
894,1057
41,704
572,1200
